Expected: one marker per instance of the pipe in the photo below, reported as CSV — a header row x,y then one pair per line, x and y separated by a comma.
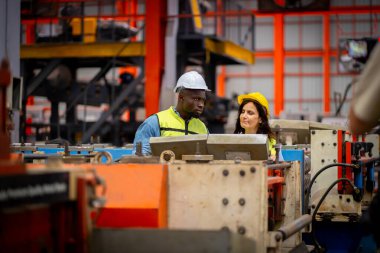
x,y
279,166
295,226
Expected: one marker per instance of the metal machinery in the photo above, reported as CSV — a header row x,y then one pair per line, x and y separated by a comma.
x,y
46,208
232,205
341,184
198,203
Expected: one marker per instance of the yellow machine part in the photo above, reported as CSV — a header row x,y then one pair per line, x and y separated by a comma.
x,y
89,34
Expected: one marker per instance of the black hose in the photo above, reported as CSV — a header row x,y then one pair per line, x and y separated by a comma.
x,y
319,172
343,100
314,238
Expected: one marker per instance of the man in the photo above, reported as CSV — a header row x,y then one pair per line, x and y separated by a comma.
x,y
365,106
181,120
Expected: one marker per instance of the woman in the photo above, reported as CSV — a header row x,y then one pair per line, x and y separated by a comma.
x,y
254,118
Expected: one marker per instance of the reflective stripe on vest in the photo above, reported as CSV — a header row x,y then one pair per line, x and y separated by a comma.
x,y
171,124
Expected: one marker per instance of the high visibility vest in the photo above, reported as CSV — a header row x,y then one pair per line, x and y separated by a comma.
x,y
171,124
272,150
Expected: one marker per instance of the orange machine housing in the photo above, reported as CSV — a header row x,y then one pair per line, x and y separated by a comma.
x,y
136,196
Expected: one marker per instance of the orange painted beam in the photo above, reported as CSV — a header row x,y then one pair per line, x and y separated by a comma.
x,y
154,58
326,63
278,63
128,7
297,53
136,195
346,10
221,87
275,180
219,20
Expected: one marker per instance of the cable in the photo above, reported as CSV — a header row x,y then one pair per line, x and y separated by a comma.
x,y
344,99
314,238
308,190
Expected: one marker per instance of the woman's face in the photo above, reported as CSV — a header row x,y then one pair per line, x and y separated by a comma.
x,y
249,118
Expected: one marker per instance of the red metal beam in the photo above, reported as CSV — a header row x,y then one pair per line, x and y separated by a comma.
x,y
278,63
326,63
221,87
347,10
275,180
154,58
219,21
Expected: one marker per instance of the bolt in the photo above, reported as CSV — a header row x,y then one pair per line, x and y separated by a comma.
x,y
334,161
225,173
225,201
322,144
242,202
242,173
348,200
323,160
334,144
241,230
313,206
334,131
253,169
313,132
178,168
340,196
167,157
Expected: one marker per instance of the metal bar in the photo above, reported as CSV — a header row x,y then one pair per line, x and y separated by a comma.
x,y
118,101
278,63
155,57
295,226
279,166
221,85
326,63
275,180
42,76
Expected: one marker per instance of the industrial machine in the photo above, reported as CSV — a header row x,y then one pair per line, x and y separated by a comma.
x,y
190,196
341,184
182,199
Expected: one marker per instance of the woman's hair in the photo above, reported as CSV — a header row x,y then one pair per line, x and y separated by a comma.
x,y
264,127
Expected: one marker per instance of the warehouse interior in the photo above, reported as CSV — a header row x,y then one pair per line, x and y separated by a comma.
x,y
80,79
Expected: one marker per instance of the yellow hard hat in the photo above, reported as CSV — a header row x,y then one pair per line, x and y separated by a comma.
x,y
257,96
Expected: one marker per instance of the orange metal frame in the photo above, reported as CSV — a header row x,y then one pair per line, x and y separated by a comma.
x,y
155,52
278,63
279,54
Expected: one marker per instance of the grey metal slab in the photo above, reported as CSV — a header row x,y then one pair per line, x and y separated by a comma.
x,y
168,241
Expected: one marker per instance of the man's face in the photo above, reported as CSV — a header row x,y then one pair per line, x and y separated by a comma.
x,y
193,102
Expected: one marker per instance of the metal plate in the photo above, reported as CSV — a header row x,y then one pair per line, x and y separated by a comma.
x,y
168,241
220,194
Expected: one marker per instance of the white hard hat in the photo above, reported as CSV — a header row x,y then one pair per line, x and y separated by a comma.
x,y
191,80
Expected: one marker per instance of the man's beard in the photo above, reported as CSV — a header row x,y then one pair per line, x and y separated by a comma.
x,y
195,115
